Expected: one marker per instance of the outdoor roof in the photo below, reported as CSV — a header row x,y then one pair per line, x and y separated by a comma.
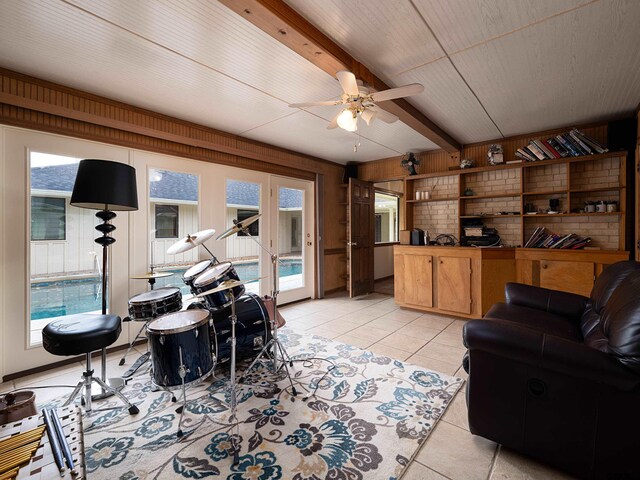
x,y
248,194
172,186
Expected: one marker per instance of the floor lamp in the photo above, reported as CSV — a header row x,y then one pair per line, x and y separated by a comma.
x,y
108,187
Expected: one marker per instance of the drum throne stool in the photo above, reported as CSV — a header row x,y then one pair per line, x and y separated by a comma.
x,y
82,334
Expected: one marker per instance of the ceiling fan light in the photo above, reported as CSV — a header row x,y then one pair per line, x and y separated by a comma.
x,y
348,120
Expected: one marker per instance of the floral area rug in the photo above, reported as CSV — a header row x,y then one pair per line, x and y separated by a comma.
x,y
367,419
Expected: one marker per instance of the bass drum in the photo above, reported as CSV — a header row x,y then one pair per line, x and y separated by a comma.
x,y
253,329
180,342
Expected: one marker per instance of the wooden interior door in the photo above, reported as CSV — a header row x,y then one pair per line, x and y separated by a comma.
x,y
361,237
574,277
454,284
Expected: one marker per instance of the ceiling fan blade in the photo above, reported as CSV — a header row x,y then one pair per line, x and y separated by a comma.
x,y
368,116
383,114
316,104
334,122
406,91
348,82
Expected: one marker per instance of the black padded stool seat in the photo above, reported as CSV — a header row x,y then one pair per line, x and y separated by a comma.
x,y
82,333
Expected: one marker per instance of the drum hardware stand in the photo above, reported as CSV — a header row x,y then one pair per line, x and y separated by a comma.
x,y
275,344
151,279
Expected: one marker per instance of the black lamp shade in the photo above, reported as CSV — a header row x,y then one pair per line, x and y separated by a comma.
x,y
105,185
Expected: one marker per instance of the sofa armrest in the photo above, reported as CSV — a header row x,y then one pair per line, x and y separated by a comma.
x,y
540,350
568,305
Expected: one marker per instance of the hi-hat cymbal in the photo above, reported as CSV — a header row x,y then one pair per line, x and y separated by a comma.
x,y
149,275
190,241
238,226
227,285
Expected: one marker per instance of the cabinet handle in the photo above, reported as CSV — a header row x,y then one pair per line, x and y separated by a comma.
x,y
544,265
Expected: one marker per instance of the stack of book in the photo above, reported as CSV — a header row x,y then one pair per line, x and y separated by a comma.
x,y
542,238
571,144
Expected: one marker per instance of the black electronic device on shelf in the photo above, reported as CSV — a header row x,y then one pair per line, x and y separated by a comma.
x,y
478,235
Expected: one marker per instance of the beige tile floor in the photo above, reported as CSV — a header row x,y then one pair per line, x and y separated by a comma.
x,y
375,323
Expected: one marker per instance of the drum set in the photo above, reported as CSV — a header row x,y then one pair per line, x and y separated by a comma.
x,y
225,324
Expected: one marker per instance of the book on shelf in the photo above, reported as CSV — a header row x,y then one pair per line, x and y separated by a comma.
x,y
590,141
580,143
530,152
536,151
553,151
521,153
559,148
569,144
576,146
547,153
543,238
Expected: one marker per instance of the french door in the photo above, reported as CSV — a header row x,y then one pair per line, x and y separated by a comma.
x,y
291,236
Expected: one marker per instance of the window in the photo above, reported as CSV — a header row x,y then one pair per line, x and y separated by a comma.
x,y
254,230
64,259
378,228
167,221
386,217
48,218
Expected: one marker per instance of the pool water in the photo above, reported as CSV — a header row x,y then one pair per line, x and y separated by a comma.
x,y
68,297
65,297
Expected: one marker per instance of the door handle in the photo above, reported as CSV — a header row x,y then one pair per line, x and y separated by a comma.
x,y
308,244
352,244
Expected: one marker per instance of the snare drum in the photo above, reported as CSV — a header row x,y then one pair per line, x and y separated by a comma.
x,y
148,305
222,272
192,273
180,341
253,330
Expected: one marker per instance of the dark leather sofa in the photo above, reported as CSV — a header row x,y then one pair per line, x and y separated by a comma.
x,y
556,376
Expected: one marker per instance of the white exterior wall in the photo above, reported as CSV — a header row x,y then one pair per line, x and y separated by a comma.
x,y
187,224
284,231
240,247
74,255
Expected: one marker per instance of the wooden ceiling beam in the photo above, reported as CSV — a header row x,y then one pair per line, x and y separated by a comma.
x,y
283,23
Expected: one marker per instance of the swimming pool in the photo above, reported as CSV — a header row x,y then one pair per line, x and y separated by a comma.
x,y
68,297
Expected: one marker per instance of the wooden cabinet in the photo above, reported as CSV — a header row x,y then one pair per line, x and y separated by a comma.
x,y
454,284
572,271
461,281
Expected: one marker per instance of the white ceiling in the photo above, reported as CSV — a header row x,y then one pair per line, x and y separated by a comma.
x,y
489,67
496,67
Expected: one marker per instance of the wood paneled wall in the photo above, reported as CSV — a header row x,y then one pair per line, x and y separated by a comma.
x,y
36,104
439,160
637,184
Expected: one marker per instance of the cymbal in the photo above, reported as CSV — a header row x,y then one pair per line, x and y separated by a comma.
x,y
149,275
227,285
239,226
190,241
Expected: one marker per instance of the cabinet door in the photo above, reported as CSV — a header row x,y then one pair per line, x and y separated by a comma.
x,y
418,280
574,277
398,278
454,284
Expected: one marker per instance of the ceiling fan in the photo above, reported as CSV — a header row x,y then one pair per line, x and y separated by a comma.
x,y
359,101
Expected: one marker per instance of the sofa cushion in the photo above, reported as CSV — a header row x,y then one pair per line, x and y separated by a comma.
x,y
621,322
609,280
535,319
